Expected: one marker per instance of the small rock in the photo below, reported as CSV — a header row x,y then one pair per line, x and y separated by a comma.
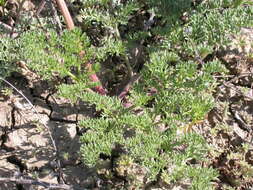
x,y
7,170
38,140
71,130
17,138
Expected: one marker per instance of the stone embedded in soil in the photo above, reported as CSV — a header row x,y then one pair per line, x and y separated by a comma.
x,y
71,131
17,139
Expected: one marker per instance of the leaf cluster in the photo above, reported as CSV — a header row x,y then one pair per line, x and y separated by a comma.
x,y
52,56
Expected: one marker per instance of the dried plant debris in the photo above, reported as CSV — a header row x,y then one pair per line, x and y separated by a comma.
x,y
229,125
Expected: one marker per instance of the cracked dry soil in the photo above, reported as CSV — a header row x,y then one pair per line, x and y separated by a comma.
x,y
26,147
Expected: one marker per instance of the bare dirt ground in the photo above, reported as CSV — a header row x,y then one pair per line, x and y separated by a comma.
x,y
26,146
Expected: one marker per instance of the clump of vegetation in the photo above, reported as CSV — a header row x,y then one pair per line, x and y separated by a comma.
x,y
179,39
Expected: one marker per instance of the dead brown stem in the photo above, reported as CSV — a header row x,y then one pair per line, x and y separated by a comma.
x,y
65,12
70,25
123,92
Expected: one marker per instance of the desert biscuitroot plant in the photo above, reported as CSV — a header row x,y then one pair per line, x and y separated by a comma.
x,y
141,142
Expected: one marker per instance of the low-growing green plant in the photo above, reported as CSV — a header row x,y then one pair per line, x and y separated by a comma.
x,y
140,141
7,55
7,92
2,2
139,135
52,56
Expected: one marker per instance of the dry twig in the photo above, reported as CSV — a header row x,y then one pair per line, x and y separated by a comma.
x,y
65,12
